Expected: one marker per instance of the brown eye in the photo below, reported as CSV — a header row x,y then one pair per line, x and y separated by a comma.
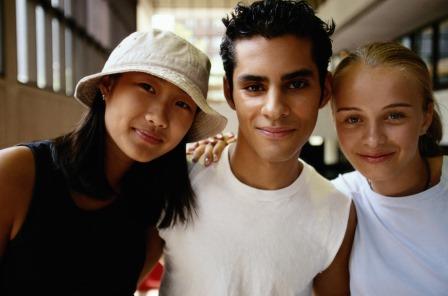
x,y
183,105
254,88
297,84
147,87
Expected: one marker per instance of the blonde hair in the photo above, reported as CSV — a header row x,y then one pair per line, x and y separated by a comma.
x,y
392,54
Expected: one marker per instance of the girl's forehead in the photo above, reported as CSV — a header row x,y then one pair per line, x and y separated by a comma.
x,y
372,85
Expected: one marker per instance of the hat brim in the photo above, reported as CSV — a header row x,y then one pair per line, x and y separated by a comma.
x,y
206,123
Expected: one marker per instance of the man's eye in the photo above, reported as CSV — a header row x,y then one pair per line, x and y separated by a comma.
x,y
147,87
254,88
297,84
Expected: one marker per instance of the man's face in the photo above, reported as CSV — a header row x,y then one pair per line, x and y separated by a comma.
x,y
276,95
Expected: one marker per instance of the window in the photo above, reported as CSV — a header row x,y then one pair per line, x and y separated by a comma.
x,y
59,41
2,67
423,46
406,41
442,63
22,41
431,44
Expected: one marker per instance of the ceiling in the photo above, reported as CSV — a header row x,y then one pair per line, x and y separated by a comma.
x,y
173,4
387,20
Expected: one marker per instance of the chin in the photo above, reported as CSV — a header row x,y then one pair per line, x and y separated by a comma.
x,y
275,156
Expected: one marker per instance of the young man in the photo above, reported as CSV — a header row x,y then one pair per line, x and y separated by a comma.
x,y
267,223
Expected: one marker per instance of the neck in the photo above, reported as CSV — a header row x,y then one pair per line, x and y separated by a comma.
x,y
256,172
116,165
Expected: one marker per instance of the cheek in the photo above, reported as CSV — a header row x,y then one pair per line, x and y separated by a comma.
x,y
115,114
406,135
347,138
180,125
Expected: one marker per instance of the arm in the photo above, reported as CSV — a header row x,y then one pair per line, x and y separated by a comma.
x,y
153,252
16,183
335,279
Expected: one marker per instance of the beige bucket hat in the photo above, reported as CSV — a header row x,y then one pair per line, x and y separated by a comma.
x,y
167,56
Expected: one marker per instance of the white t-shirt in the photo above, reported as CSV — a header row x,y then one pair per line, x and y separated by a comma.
x,y
401,243
251,242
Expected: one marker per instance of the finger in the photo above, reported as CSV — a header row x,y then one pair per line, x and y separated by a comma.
x,y
198,153
208,154
217,150
211,140
230,138
229,134
191,147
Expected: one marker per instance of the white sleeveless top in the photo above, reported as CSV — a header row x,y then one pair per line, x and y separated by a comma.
x,y
401,243
251,242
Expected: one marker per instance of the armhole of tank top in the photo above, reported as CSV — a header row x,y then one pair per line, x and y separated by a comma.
x,y
36,181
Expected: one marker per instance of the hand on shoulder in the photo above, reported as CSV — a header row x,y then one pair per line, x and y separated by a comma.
x,y
210,150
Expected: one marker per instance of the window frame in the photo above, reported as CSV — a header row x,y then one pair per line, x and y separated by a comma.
x,y
2,38
435,26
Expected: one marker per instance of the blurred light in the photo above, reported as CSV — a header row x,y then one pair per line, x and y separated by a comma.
x,y
22,41
316,140
152,293
164,22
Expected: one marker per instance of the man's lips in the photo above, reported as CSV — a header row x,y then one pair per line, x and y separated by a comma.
x,y
376,157
276,132
149,136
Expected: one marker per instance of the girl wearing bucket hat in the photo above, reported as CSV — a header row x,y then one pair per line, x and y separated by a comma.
x,y
77,212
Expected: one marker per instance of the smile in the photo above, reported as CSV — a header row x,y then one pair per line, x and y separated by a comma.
x,y
276,132
376,158
148,137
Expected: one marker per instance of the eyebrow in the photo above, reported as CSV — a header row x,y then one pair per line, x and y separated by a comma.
x,y
297,74
289,76
398,105
384,108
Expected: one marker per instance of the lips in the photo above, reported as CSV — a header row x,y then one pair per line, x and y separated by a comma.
x,y
149,136
376,157
275,132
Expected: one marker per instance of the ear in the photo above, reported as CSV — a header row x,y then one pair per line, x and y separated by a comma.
x,y
105,86
327,89
228,93
427,118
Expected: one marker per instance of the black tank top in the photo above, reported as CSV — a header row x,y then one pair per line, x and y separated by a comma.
x,y
64,250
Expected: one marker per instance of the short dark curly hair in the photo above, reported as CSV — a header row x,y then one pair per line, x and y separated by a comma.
x,y
274,18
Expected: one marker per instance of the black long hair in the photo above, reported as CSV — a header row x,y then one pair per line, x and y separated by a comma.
x,y
159,186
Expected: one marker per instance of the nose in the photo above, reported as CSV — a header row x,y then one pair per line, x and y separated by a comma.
x,y
274,106
156,114
374,135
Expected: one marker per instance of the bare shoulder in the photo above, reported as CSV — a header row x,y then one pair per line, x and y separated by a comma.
x,y
17,173
16,166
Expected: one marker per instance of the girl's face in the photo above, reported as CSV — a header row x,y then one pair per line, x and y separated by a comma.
x,y
379,117
145,116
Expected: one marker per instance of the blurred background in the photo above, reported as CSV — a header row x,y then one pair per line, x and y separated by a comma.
x,y
46,46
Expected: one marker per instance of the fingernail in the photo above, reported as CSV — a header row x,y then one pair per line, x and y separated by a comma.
x,y
206,160
215,157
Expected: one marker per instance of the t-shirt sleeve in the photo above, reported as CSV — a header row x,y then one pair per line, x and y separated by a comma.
x,y
339,211
341,184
